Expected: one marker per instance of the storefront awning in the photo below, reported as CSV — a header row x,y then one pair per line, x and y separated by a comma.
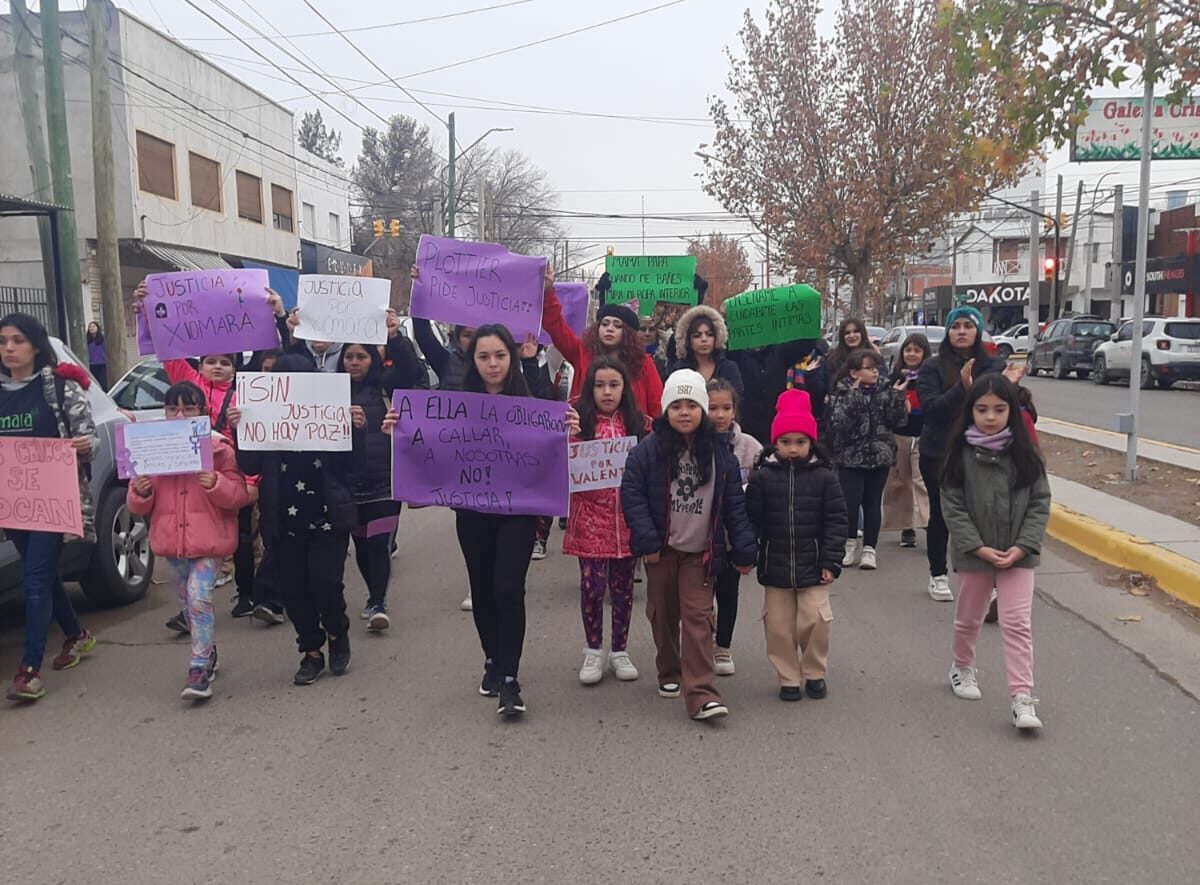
x,y
183,258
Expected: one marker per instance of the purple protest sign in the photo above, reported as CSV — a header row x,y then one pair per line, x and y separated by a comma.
x,y
145,342
472,451
471,284
196,313
574,300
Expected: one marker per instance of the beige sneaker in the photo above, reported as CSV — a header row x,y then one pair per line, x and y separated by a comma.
x,y
723,662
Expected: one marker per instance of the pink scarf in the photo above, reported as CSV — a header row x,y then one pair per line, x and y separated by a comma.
x,y
996,442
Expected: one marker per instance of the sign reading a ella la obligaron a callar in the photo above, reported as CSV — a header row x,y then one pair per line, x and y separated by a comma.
x,y
39,485
472,451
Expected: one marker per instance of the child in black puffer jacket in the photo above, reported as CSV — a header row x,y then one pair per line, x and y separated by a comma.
x,y
795,504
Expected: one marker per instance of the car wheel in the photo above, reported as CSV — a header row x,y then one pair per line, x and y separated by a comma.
x,y
1165,383
122,563
1099,371
1004,351
1030,366
1059,371
1147,378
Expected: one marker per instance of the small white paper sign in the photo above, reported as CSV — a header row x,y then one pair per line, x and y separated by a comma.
x,y
164,448
294,411
598,463
352,310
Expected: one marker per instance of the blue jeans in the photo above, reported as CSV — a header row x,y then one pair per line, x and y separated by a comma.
x,y
45,596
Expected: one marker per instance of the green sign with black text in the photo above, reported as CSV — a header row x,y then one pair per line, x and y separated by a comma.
x,y
773,316
649,279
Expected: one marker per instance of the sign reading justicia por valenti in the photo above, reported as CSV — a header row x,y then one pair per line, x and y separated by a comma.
x,y
1113,131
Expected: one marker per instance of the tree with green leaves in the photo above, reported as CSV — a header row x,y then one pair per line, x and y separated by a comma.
x,y
316,138
853,150
1054,54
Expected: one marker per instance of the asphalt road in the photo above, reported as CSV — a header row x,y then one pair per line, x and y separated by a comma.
x,y
399,772
1166,415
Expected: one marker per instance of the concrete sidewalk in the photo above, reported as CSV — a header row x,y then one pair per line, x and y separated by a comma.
x,y
1118,532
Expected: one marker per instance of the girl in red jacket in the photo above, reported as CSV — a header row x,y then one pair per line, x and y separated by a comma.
x,y
195,526
596,529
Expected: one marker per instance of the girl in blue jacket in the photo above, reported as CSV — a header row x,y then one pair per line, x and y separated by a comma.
x,y
681,494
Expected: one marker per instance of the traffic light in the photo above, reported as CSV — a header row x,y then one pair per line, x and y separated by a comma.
x,y
378,224
611,251
1050,268
395,229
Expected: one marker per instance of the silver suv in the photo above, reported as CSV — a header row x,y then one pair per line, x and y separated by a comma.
x,y
117,569
1170,353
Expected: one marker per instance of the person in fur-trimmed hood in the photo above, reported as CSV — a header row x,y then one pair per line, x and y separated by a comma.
x,y
701,338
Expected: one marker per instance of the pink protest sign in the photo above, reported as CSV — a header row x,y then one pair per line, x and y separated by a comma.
x,y
472,451
39,485
471,284
200,312
574,300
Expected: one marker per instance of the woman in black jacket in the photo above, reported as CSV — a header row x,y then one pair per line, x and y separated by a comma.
x,y
701,339
942,385
795,504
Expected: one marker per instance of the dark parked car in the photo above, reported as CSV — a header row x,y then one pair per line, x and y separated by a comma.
x,y
1066,345
117,569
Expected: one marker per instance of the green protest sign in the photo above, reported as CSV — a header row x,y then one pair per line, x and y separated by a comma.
x,y
773,316
649,279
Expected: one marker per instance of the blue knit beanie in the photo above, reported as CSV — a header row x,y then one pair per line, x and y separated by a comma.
x,y
965,311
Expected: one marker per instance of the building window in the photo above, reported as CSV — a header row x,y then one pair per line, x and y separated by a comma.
x,y
308,219
249,197
156,166
205,177
281,208
335,228
1095,253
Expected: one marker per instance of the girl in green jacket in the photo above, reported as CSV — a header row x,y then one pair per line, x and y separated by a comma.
x,y
996,502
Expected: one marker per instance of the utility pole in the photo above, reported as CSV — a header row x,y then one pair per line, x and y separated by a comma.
x,y
1118,255
450,180
35,145
1057,254
1035,265
112,304
1074,234
60,173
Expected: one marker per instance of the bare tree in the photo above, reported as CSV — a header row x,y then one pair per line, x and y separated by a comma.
x,y
722,261
520,208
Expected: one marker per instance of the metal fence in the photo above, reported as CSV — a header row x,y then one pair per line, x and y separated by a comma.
x,y
31,301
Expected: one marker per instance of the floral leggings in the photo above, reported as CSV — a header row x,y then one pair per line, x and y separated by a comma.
x,y
194,580
596,576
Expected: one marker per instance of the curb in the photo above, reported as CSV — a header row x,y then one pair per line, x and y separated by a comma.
x,y
1175,574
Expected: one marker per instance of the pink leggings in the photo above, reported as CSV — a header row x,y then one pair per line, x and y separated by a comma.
x,y
1014,587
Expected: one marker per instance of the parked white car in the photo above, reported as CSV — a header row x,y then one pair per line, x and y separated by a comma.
x,y
889,344
1170,353
1014,340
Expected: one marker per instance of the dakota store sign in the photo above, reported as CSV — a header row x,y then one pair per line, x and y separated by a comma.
x,y
992,293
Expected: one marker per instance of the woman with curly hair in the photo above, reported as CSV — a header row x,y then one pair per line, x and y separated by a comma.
x,y
614,333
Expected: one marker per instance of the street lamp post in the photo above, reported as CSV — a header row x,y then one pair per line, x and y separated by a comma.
x,y
450,170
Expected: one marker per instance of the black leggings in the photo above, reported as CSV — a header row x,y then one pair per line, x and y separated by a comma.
x,y
864,488
497,550
726,587
373,536
937,535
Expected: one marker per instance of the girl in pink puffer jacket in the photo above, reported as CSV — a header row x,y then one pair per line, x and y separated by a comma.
x,y
596,529
195,526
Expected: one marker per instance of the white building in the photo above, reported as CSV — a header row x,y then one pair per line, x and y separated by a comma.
x,y
208,173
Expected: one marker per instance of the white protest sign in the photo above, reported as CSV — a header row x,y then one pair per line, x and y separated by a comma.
x,y
347,309
598,463
163,448
294,411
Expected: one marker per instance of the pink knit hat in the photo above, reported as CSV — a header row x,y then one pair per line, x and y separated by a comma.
x,y
793,414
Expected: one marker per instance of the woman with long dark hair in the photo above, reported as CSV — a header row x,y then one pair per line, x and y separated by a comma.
x,y
942,385
43,398
851,336
905,501
97,358
701,339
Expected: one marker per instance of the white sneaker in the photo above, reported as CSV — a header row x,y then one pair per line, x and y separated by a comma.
x,y
592,670
723,662
851,553
622,667
1023,712
939,589
964,683
539,550
465,605
868,559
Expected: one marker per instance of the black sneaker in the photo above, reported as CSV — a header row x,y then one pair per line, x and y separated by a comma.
x,y
908,538
790,693
511,703
179,623
815,688
310,669
211,670
243,608
489,686
339,654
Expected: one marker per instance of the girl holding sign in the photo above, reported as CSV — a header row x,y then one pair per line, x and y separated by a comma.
x,y
615,333
40,397
194,526
682,493
596,529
